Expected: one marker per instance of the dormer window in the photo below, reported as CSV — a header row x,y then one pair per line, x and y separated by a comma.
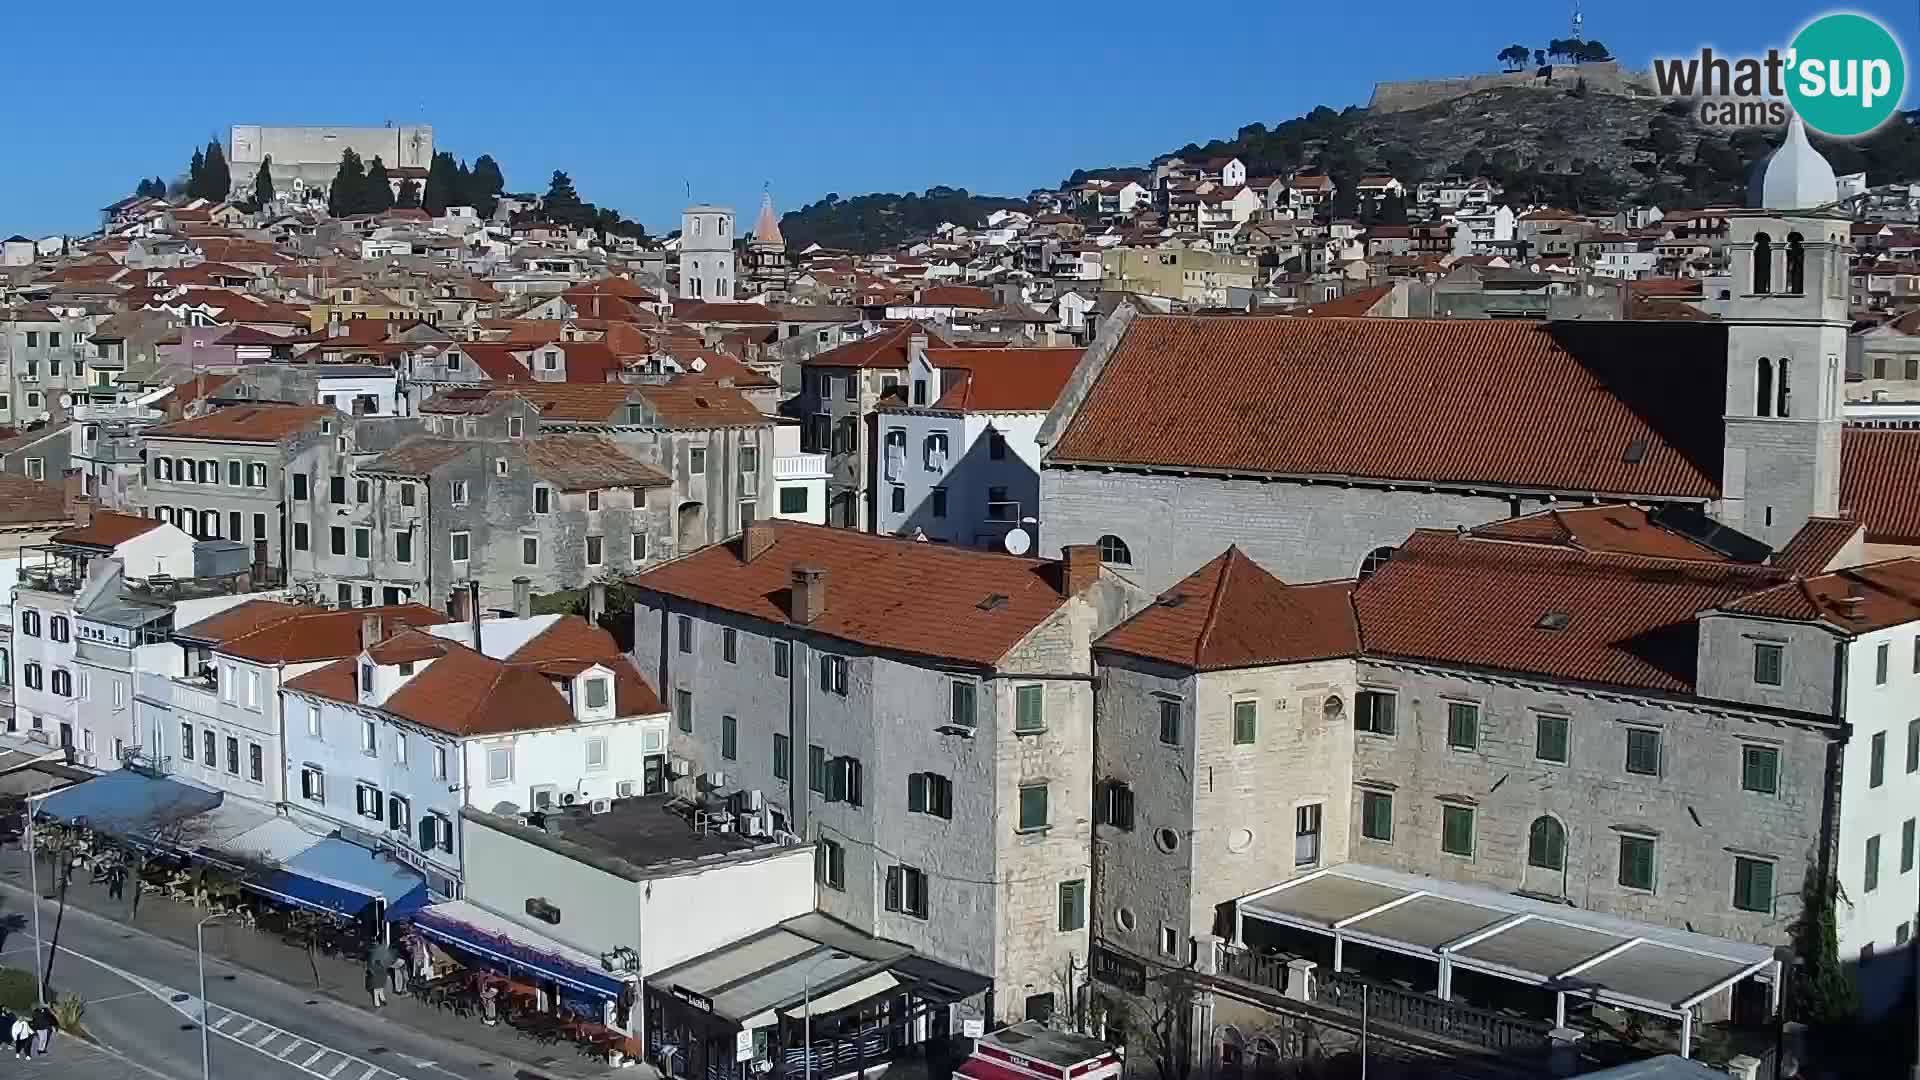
x,y
366,677
596,693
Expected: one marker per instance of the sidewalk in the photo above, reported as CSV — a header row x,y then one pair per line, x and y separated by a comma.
x,y
340,979
76,1059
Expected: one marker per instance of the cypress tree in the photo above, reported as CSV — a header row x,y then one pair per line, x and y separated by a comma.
x,y
196,174
263,184
488,183
442,180
219,180
379,190
349,184
409,198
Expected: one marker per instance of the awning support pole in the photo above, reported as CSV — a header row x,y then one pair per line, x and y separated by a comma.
x,y
1686,1033
1338,950
1559,1008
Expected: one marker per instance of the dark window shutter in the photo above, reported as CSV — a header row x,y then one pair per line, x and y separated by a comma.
x,y
1103,803
917,792
893,888
426,832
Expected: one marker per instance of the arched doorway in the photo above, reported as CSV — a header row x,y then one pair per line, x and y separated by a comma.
x,y
690,527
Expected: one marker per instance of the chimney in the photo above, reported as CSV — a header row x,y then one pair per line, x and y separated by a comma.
x,y
78,507
1079,568
473,612
596,601
371,630
757,539
809,600
523,597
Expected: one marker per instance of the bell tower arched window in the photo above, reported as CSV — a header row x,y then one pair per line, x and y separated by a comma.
x,y
1785,391
1763,392
1762,263
1796,264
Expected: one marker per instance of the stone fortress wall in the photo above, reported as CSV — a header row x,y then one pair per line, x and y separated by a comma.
x,y
1408,94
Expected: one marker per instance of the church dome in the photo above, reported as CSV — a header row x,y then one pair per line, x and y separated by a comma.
x,y
1794,176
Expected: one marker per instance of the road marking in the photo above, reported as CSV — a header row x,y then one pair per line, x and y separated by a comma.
x,y
317,1055
291,1047
117,997
371,1070
223,1021
267,1040
335,1071
251,1024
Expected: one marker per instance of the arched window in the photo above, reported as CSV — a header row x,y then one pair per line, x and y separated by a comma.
x,y
1547,844
1373,561
62,682
1762,263
58,629
1763,387
1114,550
1784,406
936,451
1796,264
1232,1051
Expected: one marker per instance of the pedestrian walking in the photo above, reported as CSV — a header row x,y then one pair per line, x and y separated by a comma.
x,y
22,1033
116,882
490,1004
379,961
43,1025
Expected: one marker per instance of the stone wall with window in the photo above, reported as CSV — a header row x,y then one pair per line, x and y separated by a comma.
x,y
1636,805
1210,786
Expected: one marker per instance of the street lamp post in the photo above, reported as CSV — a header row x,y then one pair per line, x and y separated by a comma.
x,y
806,1004
33,880
200,948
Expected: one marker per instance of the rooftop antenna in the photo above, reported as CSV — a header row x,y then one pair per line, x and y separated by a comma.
x,y
1578,21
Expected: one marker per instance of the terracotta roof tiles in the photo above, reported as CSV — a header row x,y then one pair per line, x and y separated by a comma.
x,y
1622,530
107,530
1003,380
1879,476
30,502
301,633
886,349
589,463
1231,613
246,423
1813,549
1854,601
1588,407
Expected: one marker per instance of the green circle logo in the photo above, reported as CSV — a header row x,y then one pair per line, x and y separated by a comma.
x,y
1846,75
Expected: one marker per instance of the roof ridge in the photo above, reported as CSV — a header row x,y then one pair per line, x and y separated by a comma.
x,y
1205,636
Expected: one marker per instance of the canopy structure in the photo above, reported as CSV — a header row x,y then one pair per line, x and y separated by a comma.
x,y
132,805
498,939
342,878
1613,960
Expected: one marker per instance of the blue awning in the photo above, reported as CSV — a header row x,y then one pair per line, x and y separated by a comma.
x,y
129,804
336,876
502,941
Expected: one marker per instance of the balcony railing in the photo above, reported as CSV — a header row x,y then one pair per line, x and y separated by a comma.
x,y
800,467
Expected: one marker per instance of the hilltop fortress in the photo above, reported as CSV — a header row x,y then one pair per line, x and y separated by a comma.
x,y
1604,76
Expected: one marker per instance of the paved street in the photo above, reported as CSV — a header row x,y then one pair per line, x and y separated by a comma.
x,y
141,987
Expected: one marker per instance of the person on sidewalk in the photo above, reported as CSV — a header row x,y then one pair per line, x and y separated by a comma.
x,y
490,1004
43,1025
379,961
22,1034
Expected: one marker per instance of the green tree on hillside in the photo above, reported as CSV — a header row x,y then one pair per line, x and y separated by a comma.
x,y
347,193
378,194
263,184
1514,57
441,177
218,181
196,174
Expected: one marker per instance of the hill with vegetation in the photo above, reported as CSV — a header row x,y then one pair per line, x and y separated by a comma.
x,y
883,220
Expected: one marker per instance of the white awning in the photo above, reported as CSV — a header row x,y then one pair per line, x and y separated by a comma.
x,y
853,994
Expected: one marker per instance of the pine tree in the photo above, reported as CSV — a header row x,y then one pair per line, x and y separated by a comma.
x,y
442,188
349,184
196,174
219,180
379,189
409,198
263,184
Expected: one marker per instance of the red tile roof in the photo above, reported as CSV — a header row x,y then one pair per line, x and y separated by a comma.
x,y
1813,549
269,632
719,311
1622,408
1629,620
886,349
589,463
571,643
881,592
1879,476
1357,302
1622,530
956,296
1853,601
25,502
246,423
1003,380
1231,613
107,530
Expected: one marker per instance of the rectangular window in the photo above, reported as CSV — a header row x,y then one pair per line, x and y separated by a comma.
x,y
1456,830
1636,862
907,891
457,493
683,709
938,497
337,540
461,545
1881,658
1306,835
403,546
406,495
1752,885
369,737
256,763
596,693
1373,712
362,543
729,644
833,674
1463,725
830,864
596,551
1550,738
729,738
1029,715
897,499
1073,905
530,550
1170,721
793,500
362,492
233,473
1906,846
683,632
696,461
439,763
300,537
1376,815
1246,722
542,500
313,784
186,741
300,482
961,704
259,526
1115,807
208,750
782,757
1643,751
1768,660
1877,760
817,769
1870,880
1033,807
749,459
337,489
1913,746
499,764
639,547
782,660
1760,769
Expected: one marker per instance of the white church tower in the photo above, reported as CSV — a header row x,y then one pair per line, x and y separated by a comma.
x,y
1786,346
706,253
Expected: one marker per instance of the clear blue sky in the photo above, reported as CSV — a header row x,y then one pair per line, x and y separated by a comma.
x,y
639,100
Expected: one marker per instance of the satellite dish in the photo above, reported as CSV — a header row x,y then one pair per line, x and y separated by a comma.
x,y
1017,542
66,401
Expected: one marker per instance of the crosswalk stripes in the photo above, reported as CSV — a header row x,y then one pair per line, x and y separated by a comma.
x,y
301,1053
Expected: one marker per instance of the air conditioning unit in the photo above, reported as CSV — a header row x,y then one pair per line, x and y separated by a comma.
x,y
756,825
716,779
569,798
623,790
680,766
756,801
542,797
